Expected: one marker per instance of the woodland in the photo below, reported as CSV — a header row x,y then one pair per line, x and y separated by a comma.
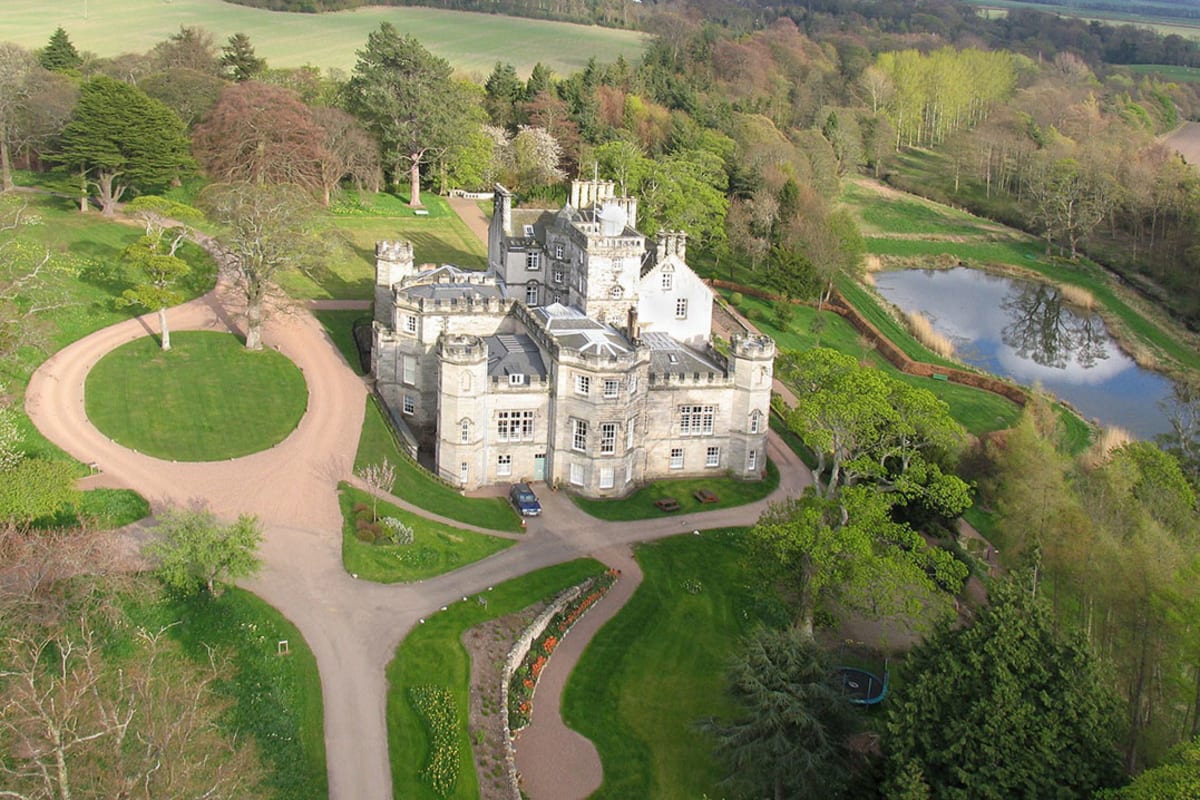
x,y
742,125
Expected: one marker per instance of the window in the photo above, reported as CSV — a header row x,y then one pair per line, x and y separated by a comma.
x,y
608,438
611,388
559,275
578,435
533,260
632,385
528,230
668,281
514,426
410,323
504,465
755,421
531,294
681,308
463,472
464,431
558,250
696,420
712,457
616,293
630,431
583,384
410,406
752,461
577,475
676,458
410,370
606,477
516,379
629,473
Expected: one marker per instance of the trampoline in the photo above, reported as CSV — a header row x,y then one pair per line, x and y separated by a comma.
x,y
862,687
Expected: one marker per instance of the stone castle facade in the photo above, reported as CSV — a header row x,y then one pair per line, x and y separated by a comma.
x,y
581,357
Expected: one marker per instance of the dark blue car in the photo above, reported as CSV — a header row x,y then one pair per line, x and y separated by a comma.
x,y
524,500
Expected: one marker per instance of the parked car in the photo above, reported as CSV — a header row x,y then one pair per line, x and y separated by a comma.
x,y
524,500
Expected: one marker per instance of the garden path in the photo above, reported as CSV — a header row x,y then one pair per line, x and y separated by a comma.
x,y
353,627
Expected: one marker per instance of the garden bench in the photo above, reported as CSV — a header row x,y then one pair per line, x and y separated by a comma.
x,y
667,504
705,496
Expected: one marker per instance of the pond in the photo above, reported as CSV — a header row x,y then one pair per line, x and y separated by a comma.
x,y
1024,330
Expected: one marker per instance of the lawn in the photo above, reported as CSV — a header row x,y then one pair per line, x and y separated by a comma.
x,y
436,548
339,325
975,409
104,508
640,504
659,666
432,653
472,43
357,222
206,399
277,699
421,488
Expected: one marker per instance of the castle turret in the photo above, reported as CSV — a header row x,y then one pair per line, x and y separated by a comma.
x,y
751,362
393,263
462,416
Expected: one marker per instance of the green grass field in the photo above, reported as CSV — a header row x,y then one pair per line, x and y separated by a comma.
x,y
640,504
277,699
1168,72
436,548
473,43
433,654
658,668
422,489
1187,28
357,223
206,399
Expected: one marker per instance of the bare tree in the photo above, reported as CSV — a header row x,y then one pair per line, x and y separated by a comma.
x,y
268,228
379,478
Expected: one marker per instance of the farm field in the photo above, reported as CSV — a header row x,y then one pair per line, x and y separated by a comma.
x,y
1189,29
1186,141
471,42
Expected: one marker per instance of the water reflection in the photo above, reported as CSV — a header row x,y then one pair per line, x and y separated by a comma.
x,y
1044,328
1025,330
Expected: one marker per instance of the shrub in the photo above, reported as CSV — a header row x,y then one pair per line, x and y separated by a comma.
x,y
736,299
784,313
361,508
396,532
756,314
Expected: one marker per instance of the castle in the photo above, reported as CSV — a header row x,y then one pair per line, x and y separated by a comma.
x,y
581,357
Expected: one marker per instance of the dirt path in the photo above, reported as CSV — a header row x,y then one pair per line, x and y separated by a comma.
x,y
469,212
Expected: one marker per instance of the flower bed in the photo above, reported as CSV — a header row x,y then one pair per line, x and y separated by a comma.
x,y
435,704
523,682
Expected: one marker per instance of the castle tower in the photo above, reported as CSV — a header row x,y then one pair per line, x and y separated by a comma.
x,y
462,416
393,263
751,362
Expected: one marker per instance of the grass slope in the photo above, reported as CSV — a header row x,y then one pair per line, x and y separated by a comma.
x,y
640,504
339,326
277,698
659,667
471,42
419,487
433,654
436,548
206,399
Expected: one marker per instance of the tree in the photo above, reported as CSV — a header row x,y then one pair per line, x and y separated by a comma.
x,y
1004,708
34,488
1182,410
408,99
258,133
1176,777
267,228
191,47
238,61
15,66
349,152
536,158
504,92
194,550
789,739
59,55
379,478
10,435
119,139
189,93
158,291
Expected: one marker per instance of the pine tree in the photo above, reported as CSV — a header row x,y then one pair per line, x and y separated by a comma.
x,y
60,55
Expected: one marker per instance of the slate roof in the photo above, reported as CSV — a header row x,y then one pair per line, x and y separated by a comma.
x,y
669,356
513,354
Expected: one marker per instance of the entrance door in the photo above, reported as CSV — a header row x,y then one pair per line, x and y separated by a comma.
x,y
539,467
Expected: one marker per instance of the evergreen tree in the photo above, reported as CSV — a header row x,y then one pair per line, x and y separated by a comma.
x,y
238,61
504,90
59,55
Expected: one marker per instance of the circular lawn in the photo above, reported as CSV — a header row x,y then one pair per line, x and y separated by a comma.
x,y
205,399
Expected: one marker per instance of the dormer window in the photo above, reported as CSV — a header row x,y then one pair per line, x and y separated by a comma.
x,y
516,379
529,230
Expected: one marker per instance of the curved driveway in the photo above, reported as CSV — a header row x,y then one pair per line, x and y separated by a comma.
x,y
353,627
